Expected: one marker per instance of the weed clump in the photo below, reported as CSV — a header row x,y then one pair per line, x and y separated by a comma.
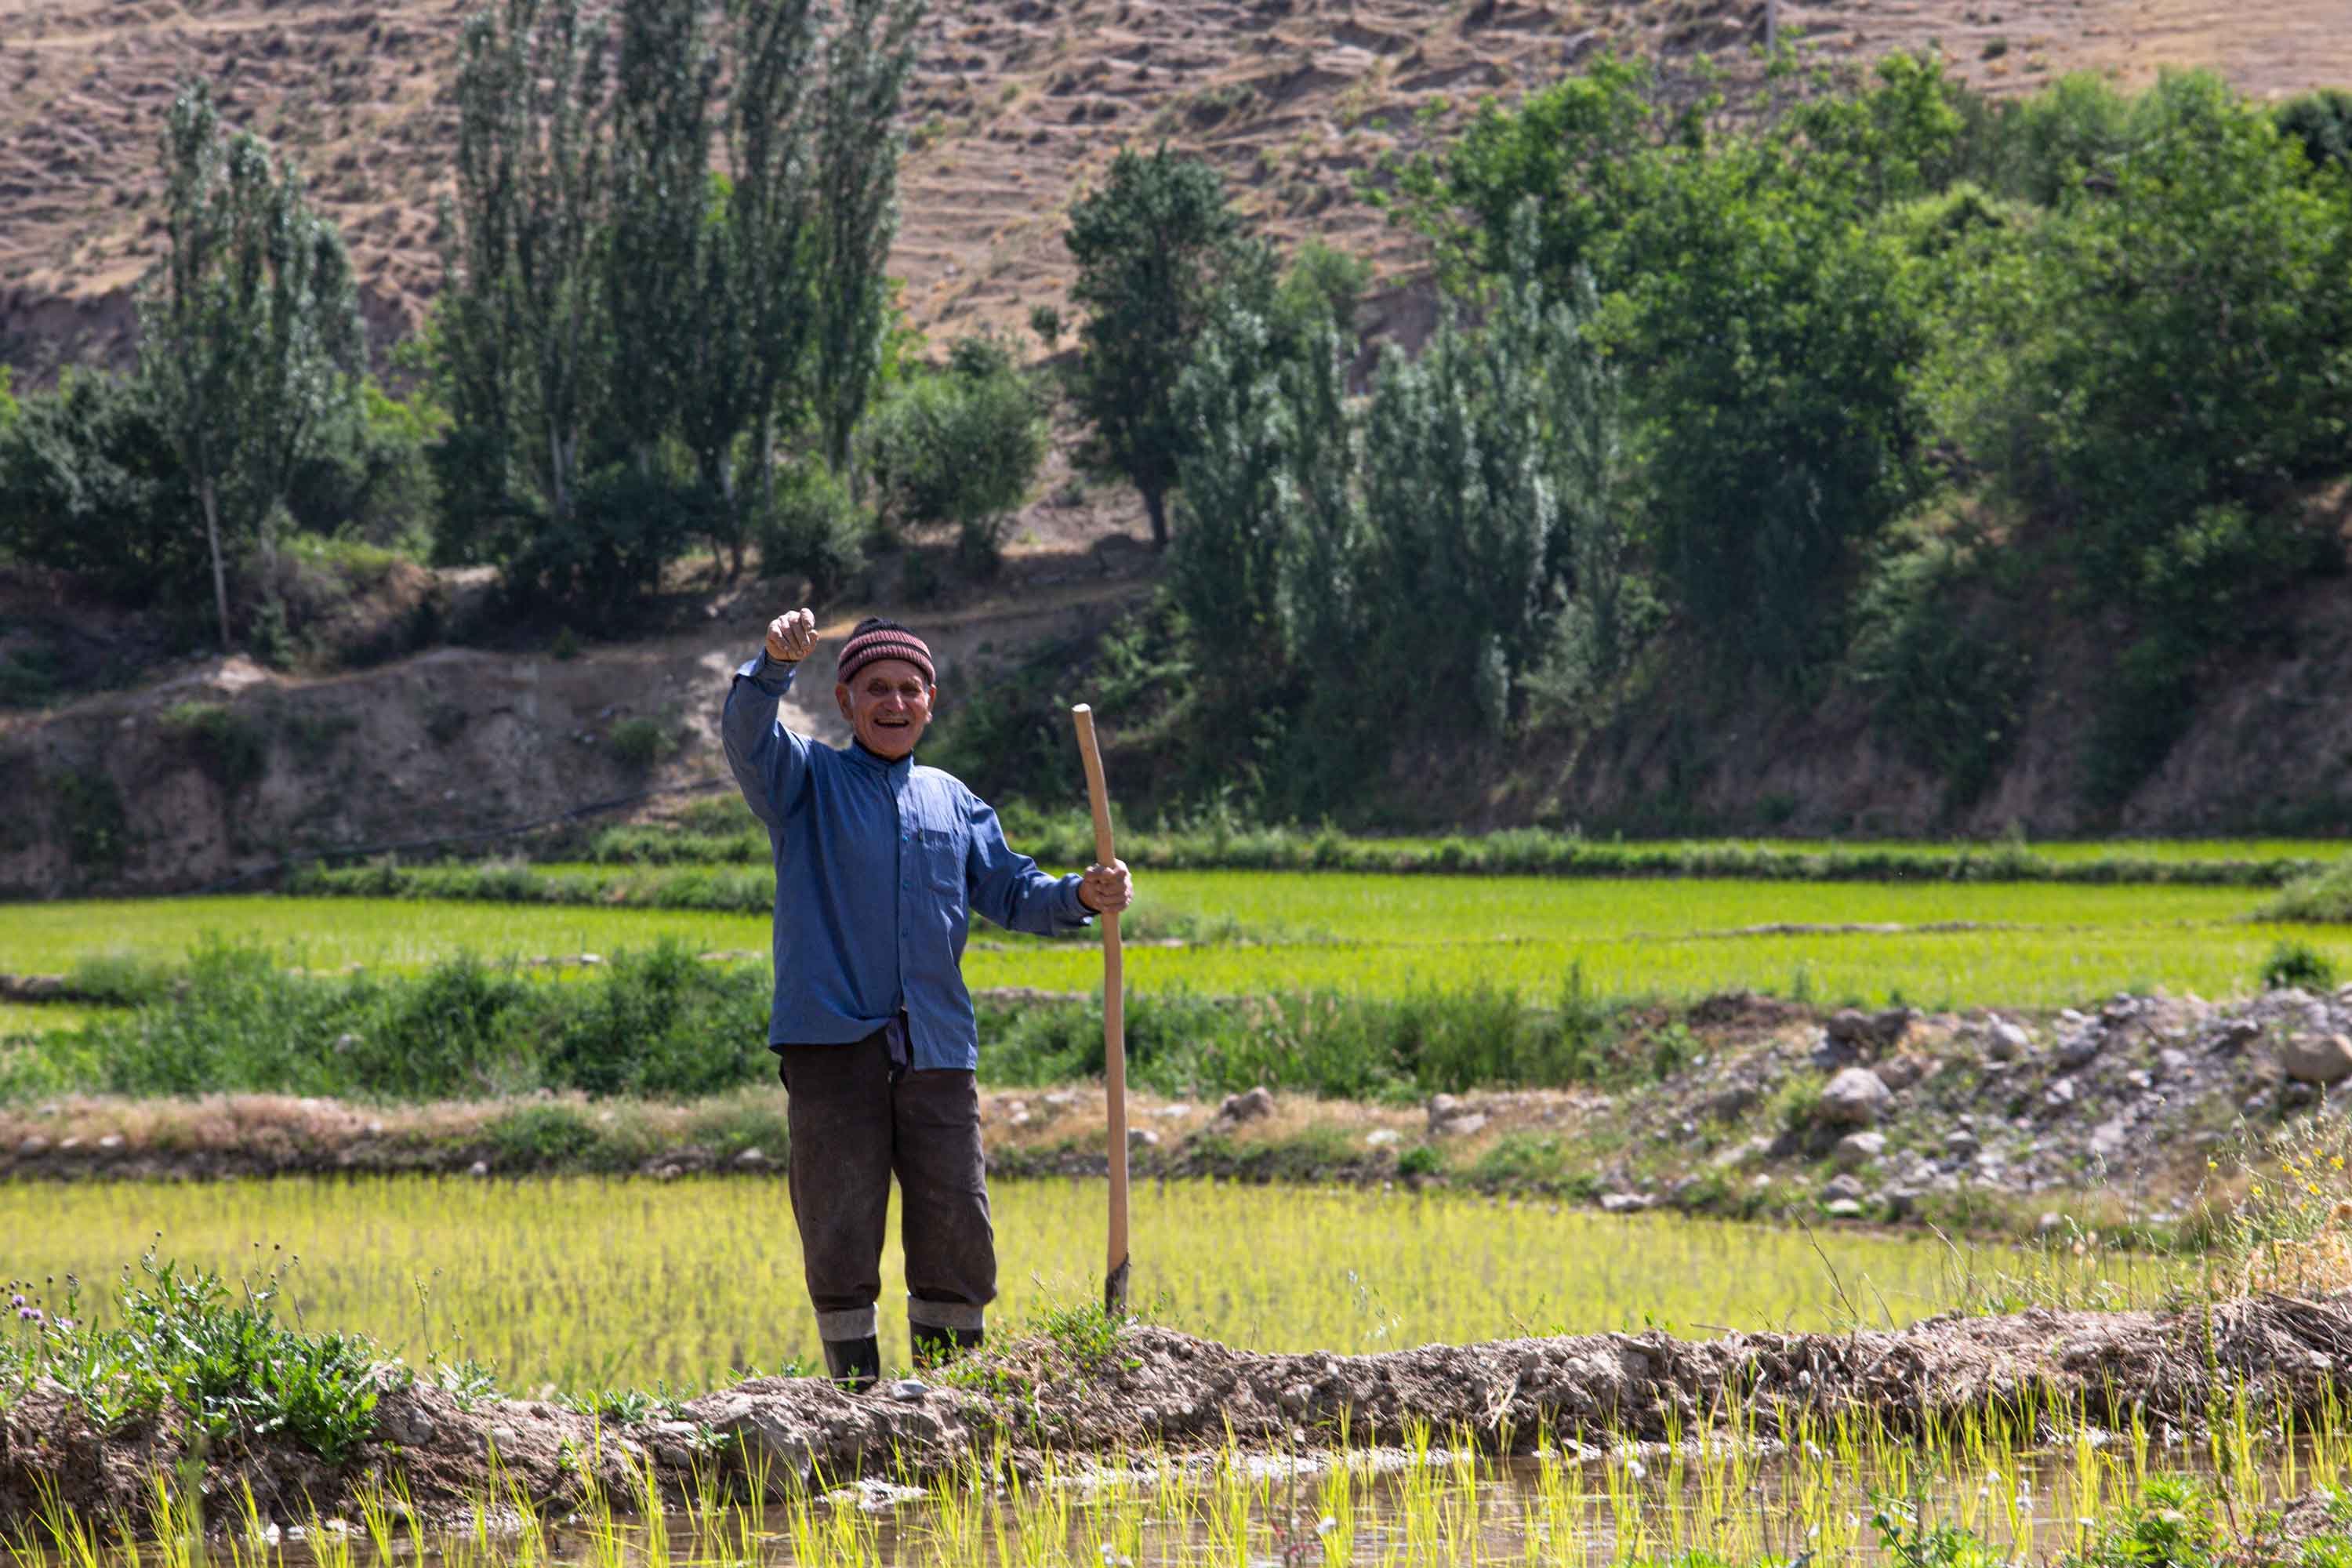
x,y
228,1367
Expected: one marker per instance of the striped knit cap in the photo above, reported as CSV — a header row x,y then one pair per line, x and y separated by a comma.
x,y
885,642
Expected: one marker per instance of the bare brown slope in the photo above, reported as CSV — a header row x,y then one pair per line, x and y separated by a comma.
x,y
1016,105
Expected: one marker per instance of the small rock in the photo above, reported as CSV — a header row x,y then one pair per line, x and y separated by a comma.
x,y
1901,1071
2051,1220
1851,1029
1842,1209
34,1144
1381,1137
1254,1106
2316,1058
1170,1112
1738,1153
1961,1144
1728,1104
2237,1035
2174,1064
1853,1098
1846,1186
1856,1149
751,1159
479,1168
1623,1203
2059,1094
2004,1041
404,1422
111,1140
1900,1201
2079,1048
1461,1126
907,1388
1061,1098
1142,1138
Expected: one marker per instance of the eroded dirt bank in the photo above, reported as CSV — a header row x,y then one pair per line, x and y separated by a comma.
x,y
1160,1387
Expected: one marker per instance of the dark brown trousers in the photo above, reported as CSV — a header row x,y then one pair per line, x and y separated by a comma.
x,y
855,1122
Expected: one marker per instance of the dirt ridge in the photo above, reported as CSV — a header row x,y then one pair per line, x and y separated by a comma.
x,y
1157,1386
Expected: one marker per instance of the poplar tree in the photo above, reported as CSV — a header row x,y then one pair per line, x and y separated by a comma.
x,y
249,335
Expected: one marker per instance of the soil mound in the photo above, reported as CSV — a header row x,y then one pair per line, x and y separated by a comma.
x,y
1152,1386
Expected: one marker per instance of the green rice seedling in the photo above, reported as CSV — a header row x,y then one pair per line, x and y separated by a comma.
x,y
587,1283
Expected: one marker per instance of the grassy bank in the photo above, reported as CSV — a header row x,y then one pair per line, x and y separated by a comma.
x,y
661,1022
723,833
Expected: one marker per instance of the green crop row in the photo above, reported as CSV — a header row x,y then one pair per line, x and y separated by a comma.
x,y
1068,840
663,1023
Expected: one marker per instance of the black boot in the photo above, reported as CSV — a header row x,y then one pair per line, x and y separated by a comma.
x,y
935,1346
856,1365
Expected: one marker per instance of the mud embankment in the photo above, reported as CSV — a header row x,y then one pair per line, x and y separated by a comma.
x,y
1159,1388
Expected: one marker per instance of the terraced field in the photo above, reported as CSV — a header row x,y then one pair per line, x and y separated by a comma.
x,y
1934,945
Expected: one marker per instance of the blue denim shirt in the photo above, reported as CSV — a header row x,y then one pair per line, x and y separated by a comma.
x,y
879,867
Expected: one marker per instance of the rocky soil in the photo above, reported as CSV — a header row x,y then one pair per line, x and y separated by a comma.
x,y
1158,1387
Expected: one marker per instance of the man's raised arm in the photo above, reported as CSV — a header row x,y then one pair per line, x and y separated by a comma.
x,y
770,761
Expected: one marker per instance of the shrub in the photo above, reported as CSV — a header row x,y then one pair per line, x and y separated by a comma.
x,y
1949,679
2324,897
226,745
812,527
639,743
90,816
961,446
2299,965
88,483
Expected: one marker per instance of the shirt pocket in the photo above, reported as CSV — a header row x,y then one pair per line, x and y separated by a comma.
x,y
938,853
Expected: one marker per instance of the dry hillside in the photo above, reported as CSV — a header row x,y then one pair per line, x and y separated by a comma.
x,y
1017,103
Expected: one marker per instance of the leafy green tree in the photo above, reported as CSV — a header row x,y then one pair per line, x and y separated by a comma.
x,y
90,483
2322,120
249,335
759,313
523,352
658,249
1153,246
961,446
866,61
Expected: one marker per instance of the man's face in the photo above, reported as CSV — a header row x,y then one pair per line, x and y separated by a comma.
x,y
887,703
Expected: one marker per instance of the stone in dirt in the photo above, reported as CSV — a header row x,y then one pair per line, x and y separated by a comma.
x,y
1856,1149
1903,1069
1853,1097
1461,1126
2004,1041
1623,1202
1253,1106
1842,1209
1846,1187
2316,1058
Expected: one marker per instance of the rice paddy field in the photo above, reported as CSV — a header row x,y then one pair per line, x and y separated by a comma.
x,y
583,1284
1934,944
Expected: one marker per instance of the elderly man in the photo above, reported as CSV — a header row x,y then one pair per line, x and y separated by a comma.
x,y
879,864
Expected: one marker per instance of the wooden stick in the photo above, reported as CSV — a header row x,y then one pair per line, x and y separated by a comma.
x,y
1114,1022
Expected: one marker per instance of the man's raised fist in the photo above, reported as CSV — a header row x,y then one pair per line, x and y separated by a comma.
x,y
791,638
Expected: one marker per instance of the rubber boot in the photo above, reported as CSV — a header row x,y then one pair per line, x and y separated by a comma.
x,y
854,1364
935,1346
